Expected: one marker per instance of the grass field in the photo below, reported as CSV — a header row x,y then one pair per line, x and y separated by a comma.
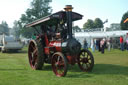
x,y
110,68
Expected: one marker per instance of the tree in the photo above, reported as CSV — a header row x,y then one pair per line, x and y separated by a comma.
x,y
39,9
76,27
124,26
16,29
98,23
4,28
89,24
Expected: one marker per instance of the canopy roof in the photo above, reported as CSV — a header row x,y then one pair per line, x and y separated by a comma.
x,y
54,19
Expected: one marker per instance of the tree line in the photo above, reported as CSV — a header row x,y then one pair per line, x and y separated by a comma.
x,y
41,8
4,28
90,24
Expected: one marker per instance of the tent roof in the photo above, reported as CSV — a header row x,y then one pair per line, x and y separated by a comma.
x,y
101,34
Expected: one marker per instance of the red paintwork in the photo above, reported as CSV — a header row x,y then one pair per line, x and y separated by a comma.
x,y
57,47
46,40
59,66
51,45
34,57
71,59
56,44
47,50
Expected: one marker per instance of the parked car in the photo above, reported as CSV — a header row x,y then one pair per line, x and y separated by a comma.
x,y
9,43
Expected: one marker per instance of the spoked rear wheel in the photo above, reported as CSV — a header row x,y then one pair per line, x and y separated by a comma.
x,y
35,55
85,60
59,64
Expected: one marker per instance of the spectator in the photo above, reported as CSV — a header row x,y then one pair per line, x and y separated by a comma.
x,y
112,42
102,45
127,41
121,43
92,45
97,44
85,45
34,36
108,44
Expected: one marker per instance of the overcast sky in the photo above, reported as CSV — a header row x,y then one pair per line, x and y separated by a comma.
x,y
112,10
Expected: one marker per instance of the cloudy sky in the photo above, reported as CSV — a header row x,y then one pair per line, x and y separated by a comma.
x,y
112,10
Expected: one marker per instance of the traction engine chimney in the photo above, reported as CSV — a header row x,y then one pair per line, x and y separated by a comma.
x,y
68,9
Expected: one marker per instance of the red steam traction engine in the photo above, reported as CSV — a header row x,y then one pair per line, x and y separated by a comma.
x,y
56,45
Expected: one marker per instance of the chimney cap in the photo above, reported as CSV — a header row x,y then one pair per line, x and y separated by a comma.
x,y
68,8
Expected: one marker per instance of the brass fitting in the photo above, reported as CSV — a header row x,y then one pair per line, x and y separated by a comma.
x,y
68,8
126,20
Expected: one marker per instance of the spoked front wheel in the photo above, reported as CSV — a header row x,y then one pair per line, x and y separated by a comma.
x,y
85,60
36,55
59,64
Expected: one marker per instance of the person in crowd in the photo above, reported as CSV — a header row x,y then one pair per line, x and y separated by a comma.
x,y
112,43
97,44
34,36
108,44
85,44
92,45
127,41
102,45
121,43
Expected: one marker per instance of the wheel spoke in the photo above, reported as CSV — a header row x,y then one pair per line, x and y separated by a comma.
x,y
35,55
85,60
87,55
35,50
33,47
83,54
84,66
89,58
59,64
87,65
89,61
58,59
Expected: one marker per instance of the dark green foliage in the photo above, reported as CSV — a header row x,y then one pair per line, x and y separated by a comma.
x,y
89,24
76,28
4,28
98,23
39,9
124,26
16,29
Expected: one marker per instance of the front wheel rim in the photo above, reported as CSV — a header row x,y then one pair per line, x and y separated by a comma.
x,y
59,65
32,55
85,61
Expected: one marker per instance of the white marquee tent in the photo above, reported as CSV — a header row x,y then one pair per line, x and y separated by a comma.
x,y
98,34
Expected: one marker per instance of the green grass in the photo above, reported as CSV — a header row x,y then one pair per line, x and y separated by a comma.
x,y
110,68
